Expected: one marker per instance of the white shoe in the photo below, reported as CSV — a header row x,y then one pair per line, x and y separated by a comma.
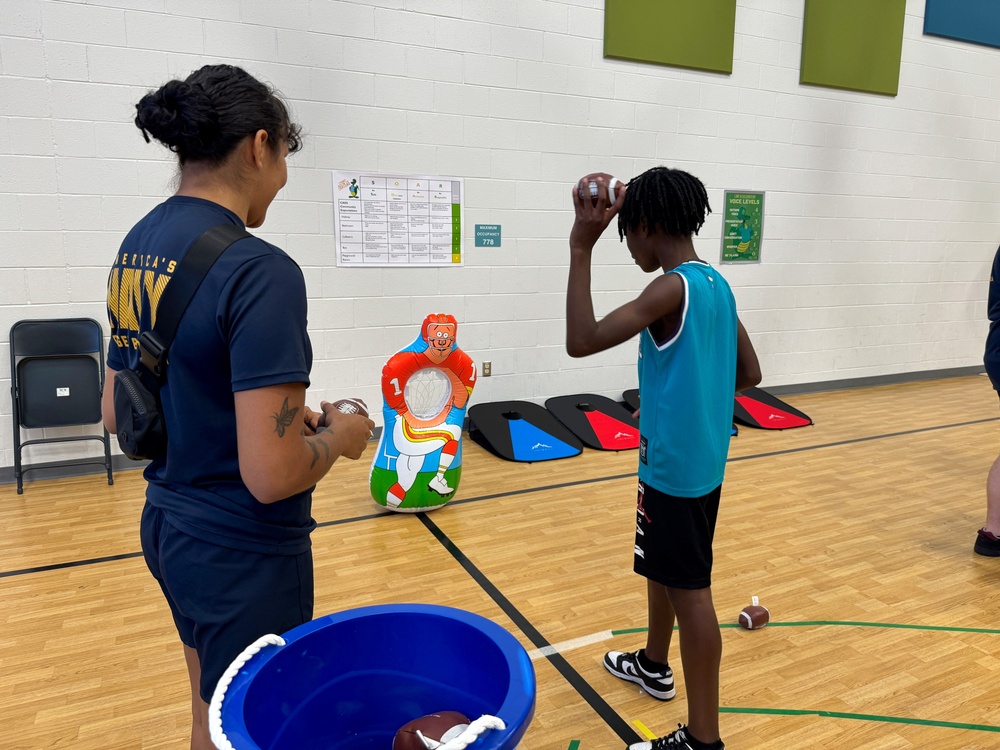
x,y
440,486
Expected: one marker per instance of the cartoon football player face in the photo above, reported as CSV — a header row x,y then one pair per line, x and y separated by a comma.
x,y
439,331
441,336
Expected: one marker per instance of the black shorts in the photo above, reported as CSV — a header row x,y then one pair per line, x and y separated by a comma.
x,y
993,372
224,599
673,537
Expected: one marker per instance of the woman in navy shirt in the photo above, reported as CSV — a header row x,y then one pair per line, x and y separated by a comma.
x,y
225,529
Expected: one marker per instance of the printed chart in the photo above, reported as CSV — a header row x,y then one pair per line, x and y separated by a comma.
x,y
397,220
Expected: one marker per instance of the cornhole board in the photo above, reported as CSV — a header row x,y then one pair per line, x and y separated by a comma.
x,y
631,399
599,422
758,408
521,431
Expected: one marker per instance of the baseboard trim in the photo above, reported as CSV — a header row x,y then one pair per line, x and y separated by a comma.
x,y
121,463
59,470
874,380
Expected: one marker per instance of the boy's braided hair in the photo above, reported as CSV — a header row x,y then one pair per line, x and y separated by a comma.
x,y
666,198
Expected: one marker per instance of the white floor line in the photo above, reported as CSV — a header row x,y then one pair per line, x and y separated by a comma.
x,y
569,645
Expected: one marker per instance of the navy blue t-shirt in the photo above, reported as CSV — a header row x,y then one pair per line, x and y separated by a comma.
x,y
245,328
992,356
993,310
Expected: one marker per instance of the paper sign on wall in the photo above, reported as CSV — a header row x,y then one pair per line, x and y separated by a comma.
x,y
743,227
397,220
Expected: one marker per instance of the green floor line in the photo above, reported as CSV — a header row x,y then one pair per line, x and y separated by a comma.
x,y
945,628
843,623
574,745
839,714
860,717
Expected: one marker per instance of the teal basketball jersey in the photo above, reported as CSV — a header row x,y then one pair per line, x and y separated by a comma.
x,y
686,389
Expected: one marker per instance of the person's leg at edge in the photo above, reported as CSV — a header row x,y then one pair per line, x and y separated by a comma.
x,y
701,657
660,613
200,737
987,538
993,499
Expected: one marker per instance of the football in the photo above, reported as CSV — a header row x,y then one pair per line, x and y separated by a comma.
x,y
344,406
592,187
755,616
351,406
431,731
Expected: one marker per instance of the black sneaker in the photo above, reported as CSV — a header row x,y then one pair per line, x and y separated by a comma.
x,y
987,544
676,740
626,666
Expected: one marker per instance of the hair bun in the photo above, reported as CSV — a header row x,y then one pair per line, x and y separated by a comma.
x,y
180,116
206,116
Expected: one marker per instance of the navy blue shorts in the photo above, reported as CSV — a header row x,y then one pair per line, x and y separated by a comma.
x,y
224,599
673,537
991,364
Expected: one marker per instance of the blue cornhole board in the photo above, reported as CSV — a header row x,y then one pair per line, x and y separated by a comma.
x,y
521,431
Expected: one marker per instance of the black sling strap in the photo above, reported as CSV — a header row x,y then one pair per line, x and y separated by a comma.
x,y
190,272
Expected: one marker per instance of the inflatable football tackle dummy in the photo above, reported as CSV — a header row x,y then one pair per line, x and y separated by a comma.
x,y
425,390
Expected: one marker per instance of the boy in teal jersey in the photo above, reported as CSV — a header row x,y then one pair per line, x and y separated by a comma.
x,y
694,355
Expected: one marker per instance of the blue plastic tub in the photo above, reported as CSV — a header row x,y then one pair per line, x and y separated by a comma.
x,y
349,680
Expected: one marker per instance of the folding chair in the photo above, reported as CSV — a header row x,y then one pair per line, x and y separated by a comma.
x,y
56,379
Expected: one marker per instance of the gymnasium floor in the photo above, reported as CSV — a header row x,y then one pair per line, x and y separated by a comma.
x,y
857,534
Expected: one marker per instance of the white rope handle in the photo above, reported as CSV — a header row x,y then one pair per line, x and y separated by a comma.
x,y
472,732
216,732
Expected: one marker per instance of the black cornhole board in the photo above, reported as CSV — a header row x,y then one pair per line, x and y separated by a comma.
x,y
598,421
758,408
631,399
521,431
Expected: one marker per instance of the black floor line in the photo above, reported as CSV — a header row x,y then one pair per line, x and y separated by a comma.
x,y
74,564
544,488
600,706
530,490
883,436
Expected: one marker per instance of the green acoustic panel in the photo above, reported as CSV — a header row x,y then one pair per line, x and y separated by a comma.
x,y
853,44
685,33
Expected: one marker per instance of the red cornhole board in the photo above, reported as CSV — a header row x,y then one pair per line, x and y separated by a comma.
x,y
758,408
631,399
598,421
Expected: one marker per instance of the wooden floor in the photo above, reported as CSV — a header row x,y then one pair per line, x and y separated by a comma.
x,y
856,533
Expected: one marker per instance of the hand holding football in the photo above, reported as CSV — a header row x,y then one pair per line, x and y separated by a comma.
x,y
431,731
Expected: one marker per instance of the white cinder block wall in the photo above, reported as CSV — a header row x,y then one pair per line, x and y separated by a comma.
x,y
881,212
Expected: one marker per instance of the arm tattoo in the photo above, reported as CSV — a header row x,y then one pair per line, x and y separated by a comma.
x,y
283,419
312,447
